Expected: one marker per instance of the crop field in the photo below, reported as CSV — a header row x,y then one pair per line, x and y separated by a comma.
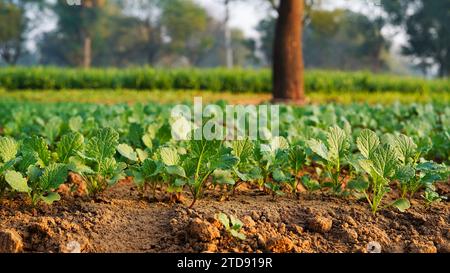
x,y
338,178
217,80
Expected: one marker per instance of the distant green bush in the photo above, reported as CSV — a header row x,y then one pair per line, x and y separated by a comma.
x,y
217,79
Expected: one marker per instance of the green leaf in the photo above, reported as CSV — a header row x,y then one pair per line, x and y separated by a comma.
x,y
430,166
236,223
405,173
148,141
237,234
53,128
102,145
75,123
278,143
76,165
127,151
242,149
367,143
318,147
37,147
338,143
280,176
53,176
223,177
8,149
16,181
310,184
134,134
253,174
223,218
385,161
69,145
169,156
358,185
142,155
296,157
401,204
50,198
404,147
222,159
176,170
149,168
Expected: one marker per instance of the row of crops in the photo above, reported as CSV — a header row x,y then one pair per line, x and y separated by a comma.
x,y
235,80
356,152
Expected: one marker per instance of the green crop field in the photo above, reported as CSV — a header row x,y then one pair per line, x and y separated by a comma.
x,y
378,148
234,80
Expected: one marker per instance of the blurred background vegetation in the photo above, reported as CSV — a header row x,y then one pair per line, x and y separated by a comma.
x,y
188,33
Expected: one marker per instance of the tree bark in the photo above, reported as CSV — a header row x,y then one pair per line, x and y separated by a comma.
x,y
228,45
288,79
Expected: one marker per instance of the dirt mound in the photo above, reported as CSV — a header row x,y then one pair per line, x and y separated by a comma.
x,y
122,221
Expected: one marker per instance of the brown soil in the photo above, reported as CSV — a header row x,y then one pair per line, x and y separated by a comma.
x,y
122,221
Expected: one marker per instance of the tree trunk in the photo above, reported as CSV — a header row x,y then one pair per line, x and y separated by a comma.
x,y
288,79
228,45
87,51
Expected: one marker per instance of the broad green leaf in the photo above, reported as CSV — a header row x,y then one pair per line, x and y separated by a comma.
x,y
404,147
148,141
102,145
50,198
169,156
69,145
134,134
223,218
310,184
280,176
149,168
176,170
236,223
142,155
223,177
53,128
278,143
358,185
367,143
223,160
402,204
16,181
37,147
319,148
405,173
242,149
8,165
26,161
430,166
34,173
8,149
53,176
237,234
128,152
77,165
253,174
297,157
75,124
338,143
385,161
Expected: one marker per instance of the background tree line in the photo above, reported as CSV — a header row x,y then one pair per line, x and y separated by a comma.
x,y
174,33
